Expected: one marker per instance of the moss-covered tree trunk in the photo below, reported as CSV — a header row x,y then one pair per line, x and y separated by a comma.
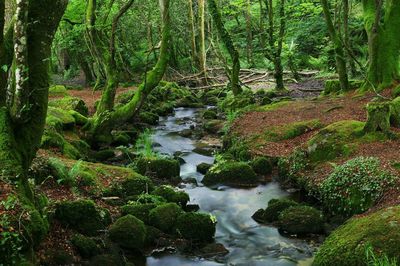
x,y
340,58
382,23
100,126
227,40
202,45
3,73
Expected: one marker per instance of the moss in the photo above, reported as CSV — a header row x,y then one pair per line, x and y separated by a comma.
x,y
103,155
273,106
164,109
209,114
121,138
86,246
395,112
70,103
232,103
59,119
134,185
231,173
36,228
162,168
346,245
274,209
58,90
189,101
203,168
106,260
52,139
290,131
335,140
128,232
140,211
196,226
396,91
301,220
60,172
261,165
80,119
153,234
378,117
83,216
213,126
148,118
172,195
83,175
164,217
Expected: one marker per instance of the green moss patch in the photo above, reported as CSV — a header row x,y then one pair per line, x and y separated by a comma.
x,y
231,173
301,220
128,232
162,168
196,226
164,217
290,131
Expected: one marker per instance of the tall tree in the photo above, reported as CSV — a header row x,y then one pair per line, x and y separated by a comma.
x,y
382,23
340,58
249,30
227,40
192,31
202,46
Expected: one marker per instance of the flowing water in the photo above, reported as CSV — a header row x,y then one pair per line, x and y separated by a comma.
x,y
248,242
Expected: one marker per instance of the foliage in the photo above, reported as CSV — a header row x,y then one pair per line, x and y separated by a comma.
x,y
355,186
144,143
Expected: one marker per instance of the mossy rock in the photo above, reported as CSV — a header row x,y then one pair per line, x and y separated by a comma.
x,y
335,140
346,246
140,211
231,173
189,101
83,216
333,86
274,209
172,195
164,217
60,172
70,103
162,168
106,260
135,185
103,155
153,234
301,220
148,118
121,139
86,246
261,165
59,119
292,130
231,102
58,90
210,114
128,232
51,139
196,226
165,109
83,175
213,126
203,168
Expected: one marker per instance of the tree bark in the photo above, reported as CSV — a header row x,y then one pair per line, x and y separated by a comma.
x,y
227,40
202,46
3,72
192,31
249,33
340,58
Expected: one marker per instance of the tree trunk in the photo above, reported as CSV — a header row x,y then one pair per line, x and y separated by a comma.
x,y
340,58
192,31
383,42
3,72
100,126
249,33
350,60
203,55
227,40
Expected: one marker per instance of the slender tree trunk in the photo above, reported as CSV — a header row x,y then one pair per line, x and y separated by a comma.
x,y
346,12
341,66
262,28
3,71
192,31
383,41
249,33
278,52
202,46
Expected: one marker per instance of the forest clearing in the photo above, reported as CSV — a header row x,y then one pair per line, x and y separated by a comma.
x,y
200,132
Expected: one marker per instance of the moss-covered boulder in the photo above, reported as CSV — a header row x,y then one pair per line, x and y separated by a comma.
x,y
164,109
134,185
164,217
162,168
140,211
70,103
196,226
172,195
129,232
378,117
232,102
86,246
231,173
58,90
148,118
291,130
210,114
274,209
203,168
59,118
346,246
261,165
82,174
213,126
301,220
83,216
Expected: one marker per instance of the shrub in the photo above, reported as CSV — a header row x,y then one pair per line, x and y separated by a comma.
x,y
196,226
301,220
354,187
129,232
164,216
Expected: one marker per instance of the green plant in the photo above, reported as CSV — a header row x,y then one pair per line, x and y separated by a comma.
x,y
354,187
144,146
231,116
375,260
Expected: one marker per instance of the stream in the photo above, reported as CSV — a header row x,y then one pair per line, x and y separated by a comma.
x,y
248,242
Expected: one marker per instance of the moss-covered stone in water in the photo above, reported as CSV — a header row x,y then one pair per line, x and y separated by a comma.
x,y
148,118
213,126
346,245
83,216
162,168
203,168
261,165
290,131
70,103
196,226
172,195
128,232
231,173
58,90
301,220
209,114
274,209
86,246
164,217
140,211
